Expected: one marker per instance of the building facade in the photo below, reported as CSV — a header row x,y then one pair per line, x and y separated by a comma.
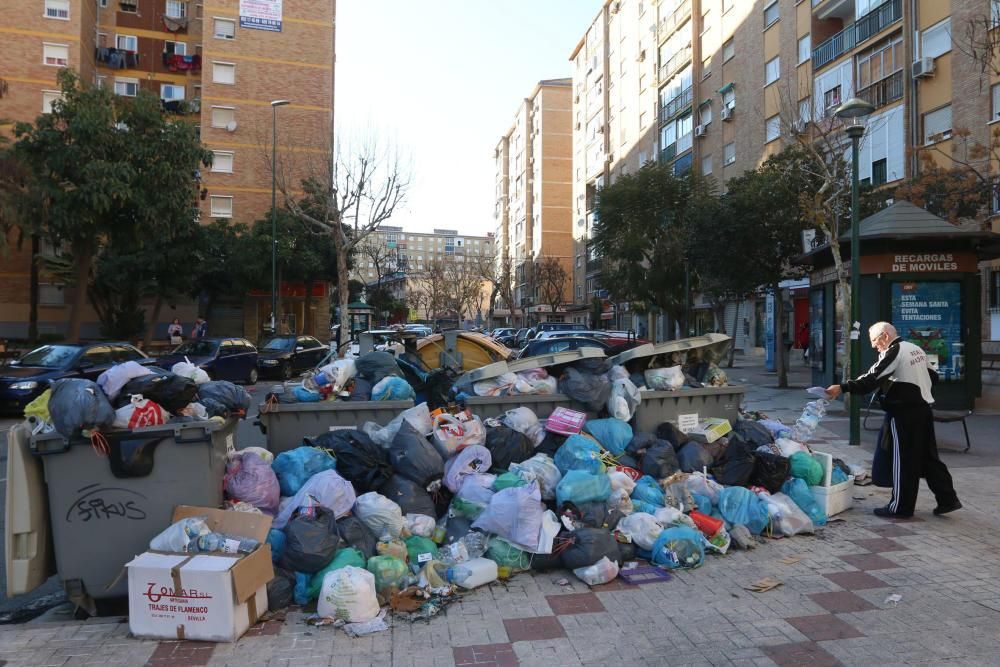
x,y
719,85
533,162
225,68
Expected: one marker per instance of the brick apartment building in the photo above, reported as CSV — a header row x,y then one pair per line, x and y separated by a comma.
x,y
226,66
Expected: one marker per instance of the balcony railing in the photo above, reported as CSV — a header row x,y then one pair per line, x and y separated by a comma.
x,y
884,91
858,32
676,105
668,153
676,62
670,22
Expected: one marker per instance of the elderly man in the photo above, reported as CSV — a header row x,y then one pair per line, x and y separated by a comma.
x,y
904,378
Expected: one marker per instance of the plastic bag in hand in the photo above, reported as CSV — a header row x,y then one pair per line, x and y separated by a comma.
x,y
327,489
250,479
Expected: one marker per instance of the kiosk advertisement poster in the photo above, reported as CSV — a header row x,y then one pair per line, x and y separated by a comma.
x,y
929,314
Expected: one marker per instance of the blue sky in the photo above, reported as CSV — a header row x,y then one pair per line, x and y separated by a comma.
x,y
443,80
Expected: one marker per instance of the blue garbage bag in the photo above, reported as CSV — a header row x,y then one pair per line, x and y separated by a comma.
x,y
76,405
580,486
643,506
301,595
704,503
295,466
277,540
837,476
392,388
579,453
679,547
613,434
648,491
799,492
740,505
224,399
304,395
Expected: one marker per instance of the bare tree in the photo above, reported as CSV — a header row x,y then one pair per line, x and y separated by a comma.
x,y
345,192
464,285
977,38
495,271
550,278
385,260
430,288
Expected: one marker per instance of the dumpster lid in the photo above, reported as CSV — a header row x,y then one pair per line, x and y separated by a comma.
x,y
670,346
554,359
484,373
644,350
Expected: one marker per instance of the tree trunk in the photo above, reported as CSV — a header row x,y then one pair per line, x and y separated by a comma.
x,y
736,323
83,252
493,298
779,338
307,319
33,292
153,319
343,292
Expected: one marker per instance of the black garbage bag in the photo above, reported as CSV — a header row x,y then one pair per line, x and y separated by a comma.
x,y
359,460
377,365
551,444
627,551
669,432
545,562
414,457
592,365
639,443
589,546
736,465
280,590
660,461
753,432
591,390
223,399
77,405
507,446
361,390
410,496
770,471
311,541
630,461
353,532
592,514
171,392
456,528
693,457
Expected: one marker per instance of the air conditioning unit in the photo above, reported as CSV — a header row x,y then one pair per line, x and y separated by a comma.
x,y
700,130
923,68
799,126
727,113
641,57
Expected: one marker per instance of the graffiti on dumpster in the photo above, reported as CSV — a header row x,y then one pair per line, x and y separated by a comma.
x,y
98,503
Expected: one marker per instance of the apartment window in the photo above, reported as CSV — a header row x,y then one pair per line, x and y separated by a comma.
x,y
729,97
222,161
224,73
831,100
126,87
771,14
224,28
176,9
56,55
772,128
705,114
57,9
579,291
878,172
175,48
995,96
728,50
727,5
706,165
685,125
170,92
51,295
129,6
729,153
937,125
222,207
772,71
805,110
102,3
880,62
48,97
127,43
805,48
936,40
995,12
223,116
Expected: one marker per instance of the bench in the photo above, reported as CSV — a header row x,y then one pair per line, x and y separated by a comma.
x,y
940,417
991,362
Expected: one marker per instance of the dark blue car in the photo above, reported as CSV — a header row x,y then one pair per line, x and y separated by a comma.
x,y
233,359
25,379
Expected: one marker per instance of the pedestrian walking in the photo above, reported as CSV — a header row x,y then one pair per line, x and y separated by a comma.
x,y
903,378
175,331
200,329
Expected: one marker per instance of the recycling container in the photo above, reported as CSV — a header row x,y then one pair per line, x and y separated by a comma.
x,y
286,424
103,510
666,406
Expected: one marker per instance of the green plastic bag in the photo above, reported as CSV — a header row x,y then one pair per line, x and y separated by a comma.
x,y
505,554
804,466
466,508
388,572
343,558
508,480
417,546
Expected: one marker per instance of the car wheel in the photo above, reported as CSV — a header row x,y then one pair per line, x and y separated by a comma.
x,y
252,377
286,371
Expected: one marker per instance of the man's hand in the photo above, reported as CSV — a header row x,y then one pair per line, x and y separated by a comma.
x,y
834,391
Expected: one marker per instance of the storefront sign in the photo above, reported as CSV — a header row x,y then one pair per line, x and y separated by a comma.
x,y
261,14
293,290
919,262
929,315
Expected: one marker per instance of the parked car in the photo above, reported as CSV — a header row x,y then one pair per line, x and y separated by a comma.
x,y
550,345
609,337
233,359
288,355
497,334
25,379
419,329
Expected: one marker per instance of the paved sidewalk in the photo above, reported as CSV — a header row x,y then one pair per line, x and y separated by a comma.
x,y
833,607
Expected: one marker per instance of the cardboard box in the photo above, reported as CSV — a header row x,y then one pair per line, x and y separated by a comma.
x,y
710,430
209,597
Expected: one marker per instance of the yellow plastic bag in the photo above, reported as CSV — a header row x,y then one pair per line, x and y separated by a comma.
x,y
39,407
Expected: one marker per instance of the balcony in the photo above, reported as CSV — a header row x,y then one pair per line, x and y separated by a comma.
x,y
668,153
670,23
676,105
858,32
676,62
884,91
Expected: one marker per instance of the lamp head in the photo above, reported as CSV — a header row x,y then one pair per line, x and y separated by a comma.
x,y
854,112
279,103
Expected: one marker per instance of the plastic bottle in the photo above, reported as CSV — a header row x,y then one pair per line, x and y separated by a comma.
x,y
473,573
453,553
476,543
315,382
229,544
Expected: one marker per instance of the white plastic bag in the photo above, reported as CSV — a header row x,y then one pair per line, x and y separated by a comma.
x,y
786,516
179,535
535,382
264,454
624,399
789,447
340,373
419,416
696,482
139,412
523,420
420,524
472,459
641,528
186,369
621,500
621,481
601,572
112,380
496,386
379,514
325,488
349,594
196,410
452,433
515,514
542,469
665,379
671,516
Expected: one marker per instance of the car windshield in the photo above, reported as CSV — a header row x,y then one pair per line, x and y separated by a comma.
x,y
279,344
50,356
197,348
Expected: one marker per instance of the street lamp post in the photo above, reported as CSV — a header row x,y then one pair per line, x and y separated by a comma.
x,y
274,211
854,112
